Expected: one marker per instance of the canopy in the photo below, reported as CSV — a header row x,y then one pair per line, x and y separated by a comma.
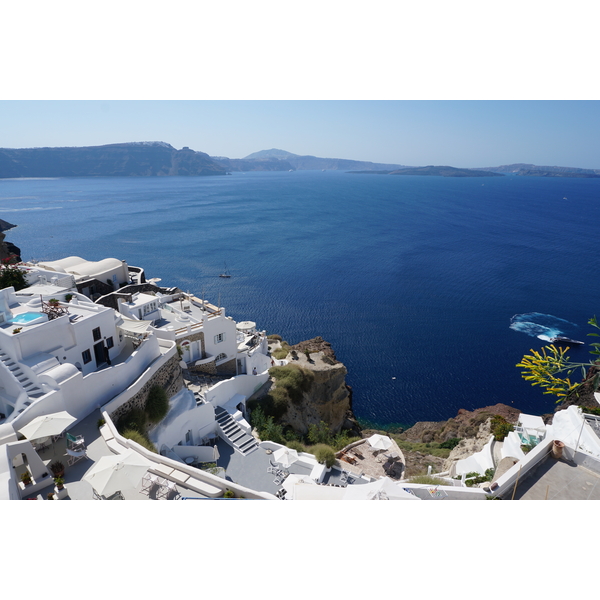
x,y
114,473
380,442
136,327
382,489
47,425
285,456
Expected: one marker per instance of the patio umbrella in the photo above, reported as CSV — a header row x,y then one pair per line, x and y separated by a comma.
x,y
114,473
293,479
382,489
380,442
216,454
47,425
285,456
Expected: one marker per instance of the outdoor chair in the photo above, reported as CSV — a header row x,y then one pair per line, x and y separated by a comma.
x,y
278,480
272,470
75,442
75,455
344,477
171,490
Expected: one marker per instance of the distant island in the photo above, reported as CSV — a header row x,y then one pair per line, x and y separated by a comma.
x,y
117,160
442,171
159,159
529,170
281,160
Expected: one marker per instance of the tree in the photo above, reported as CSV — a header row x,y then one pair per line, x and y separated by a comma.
x,y
542,368
11,275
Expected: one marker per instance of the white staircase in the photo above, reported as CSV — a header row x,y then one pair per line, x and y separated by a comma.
x,y
32,390
233,433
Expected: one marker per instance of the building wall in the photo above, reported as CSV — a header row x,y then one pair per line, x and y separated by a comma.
x,y
169,376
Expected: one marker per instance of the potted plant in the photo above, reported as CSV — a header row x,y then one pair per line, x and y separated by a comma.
x,y
50,496
57,468
60,483
17,330
68,297
26,478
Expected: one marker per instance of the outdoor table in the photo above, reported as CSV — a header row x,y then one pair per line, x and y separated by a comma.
x,y
189,460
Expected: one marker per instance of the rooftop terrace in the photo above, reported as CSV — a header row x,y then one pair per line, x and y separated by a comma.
x,y
558,479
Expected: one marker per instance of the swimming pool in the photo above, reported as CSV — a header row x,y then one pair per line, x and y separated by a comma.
x,y
29,318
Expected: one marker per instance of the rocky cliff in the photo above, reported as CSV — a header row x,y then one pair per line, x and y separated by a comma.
x,y
7,249
115,160
327,398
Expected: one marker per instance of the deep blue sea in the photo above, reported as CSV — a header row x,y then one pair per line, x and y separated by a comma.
x,y
430,289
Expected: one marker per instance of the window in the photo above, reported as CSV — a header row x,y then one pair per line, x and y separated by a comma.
x,y
220,337
109,342
221,357
87,357
96,333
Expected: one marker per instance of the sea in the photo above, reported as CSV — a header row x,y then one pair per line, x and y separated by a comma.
x,y
429,289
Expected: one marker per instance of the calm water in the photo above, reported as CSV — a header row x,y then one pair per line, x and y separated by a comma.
x,y
429,289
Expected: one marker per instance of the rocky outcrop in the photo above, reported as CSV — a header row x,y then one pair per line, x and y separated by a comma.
x,y
8,249
469,446
328,398
465,425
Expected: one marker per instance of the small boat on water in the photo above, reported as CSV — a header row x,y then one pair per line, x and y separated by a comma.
x,y
225,273
561,339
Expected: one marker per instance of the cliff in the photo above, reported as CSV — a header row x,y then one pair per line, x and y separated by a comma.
x,y
113,160
7,249
325,396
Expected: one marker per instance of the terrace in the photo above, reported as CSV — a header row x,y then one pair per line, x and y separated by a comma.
x,y
252,470
96,448
557,479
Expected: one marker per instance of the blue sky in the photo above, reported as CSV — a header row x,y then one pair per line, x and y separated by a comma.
x,y
458,133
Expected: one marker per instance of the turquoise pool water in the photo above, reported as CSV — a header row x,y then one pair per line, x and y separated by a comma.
x,y
26,318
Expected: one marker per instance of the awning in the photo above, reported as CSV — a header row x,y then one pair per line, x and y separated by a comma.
x,y
137,327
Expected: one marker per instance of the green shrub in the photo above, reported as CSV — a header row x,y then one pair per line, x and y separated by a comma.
x,y
140,438
591,410
451,443
11,275
500,428
282,352
319,434
427,480
324,454
157,404
135,419
341,440
100,422
273,432
296,445
274,336
228,494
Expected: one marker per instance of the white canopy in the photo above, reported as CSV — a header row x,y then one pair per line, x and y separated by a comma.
x,y
137,327
47,425
382,489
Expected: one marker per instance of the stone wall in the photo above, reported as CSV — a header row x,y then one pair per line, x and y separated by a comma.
x,y
227,368
169,376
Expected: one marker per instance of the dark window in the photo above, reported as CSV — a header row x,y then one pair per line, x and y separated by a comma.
x,y
96,333
87,356
109,342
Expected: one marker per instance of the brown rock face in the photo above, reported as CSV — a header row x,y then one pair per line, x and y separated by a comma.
x,y
464,425
328,399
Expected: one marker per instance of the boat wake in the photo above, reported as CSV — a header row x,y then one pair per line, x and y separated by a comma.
x,y
539,325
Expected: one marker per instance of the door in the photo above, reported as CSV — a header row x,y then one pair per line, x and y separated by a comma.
x,y
99,353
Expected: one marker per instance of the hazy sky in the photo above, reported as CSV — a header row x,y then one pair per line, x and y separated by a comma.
x,y
457,133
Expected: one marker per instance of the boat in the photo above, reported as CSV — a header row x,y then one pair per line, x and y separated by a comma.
x,y
561,339
225,273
